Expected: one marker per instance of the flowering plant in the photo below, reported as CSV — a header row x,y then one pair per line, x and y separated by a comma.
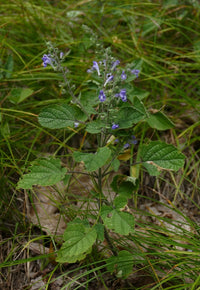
x,y
112,113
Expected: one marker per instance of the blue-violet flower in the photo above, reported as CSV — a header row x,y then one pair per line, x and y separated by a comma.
x,y
47,60
133,140
115,126
109,78
135,72
126,145
76,124
115,64
96,67
102,96
122,95
123,75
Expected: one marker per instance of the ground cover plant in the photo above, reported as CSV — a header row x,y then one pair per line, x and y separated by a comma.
x,y
122,81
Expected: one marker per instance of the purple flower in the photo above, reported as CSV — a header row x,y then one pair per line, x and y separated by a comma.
x,y
90,70
109,78
122,95
96,67
126,145
115,126
76,124
102,96
133,140
123,75
47,60
135,72
115,64
61,54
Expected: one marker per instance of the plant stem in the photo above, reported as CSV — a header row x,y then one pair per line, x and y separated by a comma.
x,y
109,242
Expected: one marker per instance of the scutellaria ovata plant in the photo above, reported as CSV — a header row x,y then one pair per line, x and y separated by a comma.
x,y
110,111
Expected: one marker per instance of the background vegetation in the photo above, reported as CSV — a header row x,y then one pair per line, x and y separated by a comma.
x,y
166,36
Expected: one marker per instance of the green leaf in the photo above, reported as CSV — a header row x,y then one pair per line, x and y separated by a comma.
x,y
95,127
159,155
133,92
93,161
44,172
137,64
122,264
123,185
1,70
78,243
73,14
137,92
159,121
100,231
61,116
150,26
19,95
88,99
5,130
118,221
115,164
105,210
9,67
135,114
120,202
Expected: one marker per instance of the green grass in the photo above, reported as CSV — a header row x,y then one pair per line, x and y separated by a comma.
x,y
166,37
